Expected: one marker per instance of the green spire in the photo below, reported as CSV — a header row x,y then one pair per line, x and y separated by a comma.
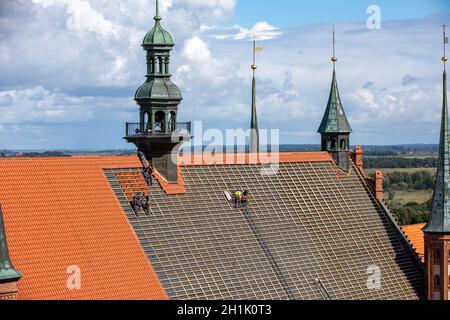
x,y
7,271
334,120
254,131
440,214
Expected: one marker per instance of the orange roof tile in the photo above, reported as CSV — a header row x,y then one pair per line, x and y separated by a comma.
x,y
61,212
415,235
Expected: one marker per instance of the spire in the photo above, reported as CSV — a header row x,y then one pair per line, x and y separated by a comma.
x,y
334,58
440,214
254,131
157,16
7,271
334,120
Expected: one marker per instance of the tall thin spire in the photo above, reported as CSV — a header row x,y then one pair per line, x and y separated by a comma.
x,y
439,221
254,131
335,120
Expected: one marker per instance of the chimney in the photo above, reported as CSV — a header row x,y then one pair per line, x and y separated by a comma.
x,y
358,158
379,192
9,291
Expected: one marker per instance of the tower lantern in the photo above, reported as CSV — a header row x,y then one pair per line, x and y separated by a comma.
x,y
158,135
335,129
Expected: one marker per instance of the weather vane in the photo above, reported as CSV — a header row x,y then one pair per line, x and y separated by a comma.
x,y
334,58
255,51
444,57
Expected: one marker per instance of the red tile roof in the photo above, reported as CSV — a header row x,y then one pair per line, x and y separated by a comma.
x,y
61,212
415,235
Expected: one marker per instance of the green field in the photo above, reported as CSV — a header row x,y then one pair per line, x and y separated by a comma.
x,y
405,197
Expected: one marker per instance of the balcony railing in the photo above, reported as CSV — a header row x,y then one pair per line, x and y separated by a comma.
x,y
136,129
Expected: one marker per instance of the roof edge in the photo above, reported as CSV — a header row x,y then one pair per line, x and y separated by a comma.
x,y
202,159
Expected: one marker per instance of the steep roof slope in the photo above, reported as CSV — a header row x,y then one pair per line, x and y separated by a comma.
x,y
308,222
61,212
415,235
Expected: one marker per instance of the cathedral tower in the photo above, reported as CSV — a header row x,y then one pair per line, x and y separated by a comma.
x,y
437,231
158,135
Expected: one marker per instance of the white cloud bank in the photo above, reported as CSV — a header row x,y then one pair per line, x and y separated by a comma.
x,y
72,62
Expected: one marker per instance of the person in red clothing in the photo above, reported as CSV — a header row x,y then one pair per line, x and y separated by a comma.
x,y
149,175
245,198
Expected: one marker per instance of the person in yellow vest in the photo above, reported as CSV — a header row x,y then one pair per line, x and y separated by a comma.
x,y
237,199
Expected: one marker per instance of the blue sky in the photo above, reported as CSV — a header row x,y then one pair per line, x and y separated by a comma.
x,y
71,84
293,13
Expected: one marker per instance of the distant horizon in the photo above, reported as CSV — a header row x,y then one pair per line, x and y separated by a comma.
x,y
429,145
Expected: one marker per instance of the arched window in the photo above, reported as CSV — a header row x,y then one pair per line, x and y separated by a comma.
x,y
437,257
173,121
160,119
147,121
343,144
333,143
437,283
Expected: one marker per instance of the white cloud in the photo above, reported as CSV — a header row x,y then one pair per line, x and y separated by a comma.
x,y
38,105
82,17
200,67
401,105
262,31
53,51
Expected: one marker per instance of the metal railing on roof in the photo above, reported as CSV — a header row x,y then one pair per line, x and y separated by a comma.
x,y
138,129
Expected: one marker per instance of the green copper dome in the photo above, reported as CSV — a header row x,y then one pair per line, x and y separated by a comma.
x,y
158,36
159,89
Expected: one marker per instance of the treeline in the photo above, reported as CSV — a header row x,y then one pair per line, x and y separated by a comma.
x,y
46,154
404,181
399,162
412,212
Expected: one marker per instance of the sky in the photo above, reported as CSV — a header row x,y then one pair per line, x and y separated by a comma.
x,y
70,68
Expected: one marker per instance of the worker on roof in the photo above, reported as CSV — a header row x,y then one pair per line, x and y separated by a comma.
x,y
237,198
145,201
137,203
149,175
245,198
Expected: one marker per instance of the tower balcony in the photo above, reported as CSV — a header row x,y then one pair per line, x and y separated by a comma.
x,y
138,130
